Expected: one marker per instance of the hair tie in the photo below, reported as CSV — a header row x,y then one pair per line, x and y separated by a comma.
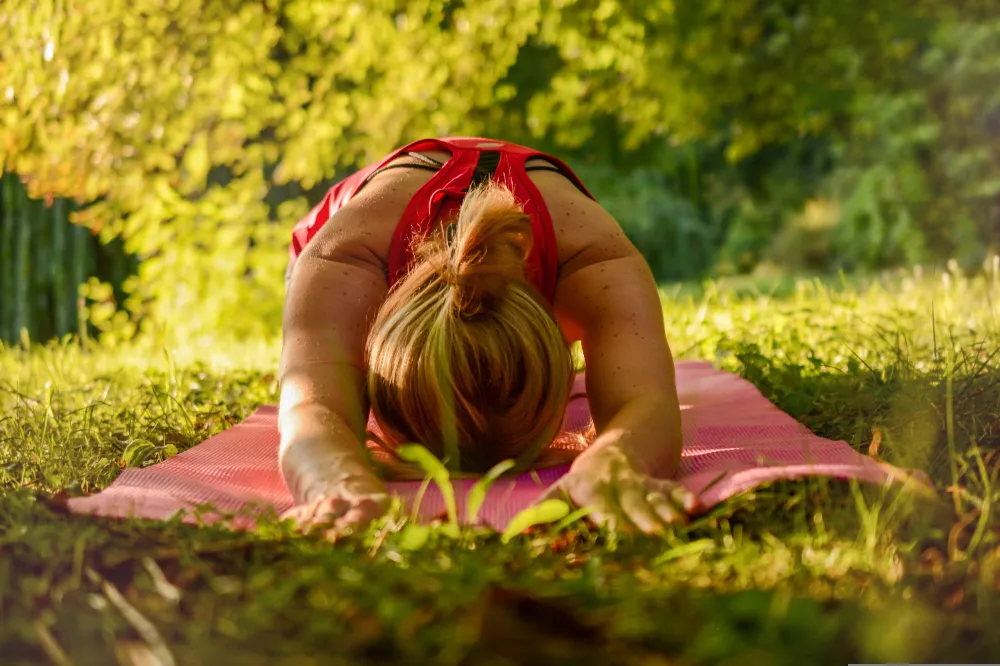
x,y
449,275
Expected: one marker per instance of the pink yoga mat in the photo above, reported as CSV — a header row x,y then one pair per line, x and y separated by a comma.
x,y
733,437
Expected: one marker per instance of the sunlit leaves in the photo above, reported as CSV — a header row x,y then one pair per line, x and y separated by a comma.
x,y
195,121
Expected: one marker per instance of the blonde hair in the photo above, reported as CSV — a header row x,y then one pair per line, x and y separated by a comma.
x,y
464,356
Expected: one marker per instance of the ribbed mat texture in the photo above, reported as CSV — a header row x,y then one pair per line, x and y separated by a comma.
x,y
733,437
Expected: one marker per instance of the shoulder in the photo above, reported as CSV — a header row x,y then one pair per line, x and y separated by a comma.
x,y
599,267
586,234
363,228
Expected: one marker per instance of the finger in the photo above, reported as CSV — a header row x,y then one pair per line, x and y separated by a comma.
x,y
379,502
334,534
352,519
361,513
603,519
330,509
373,507
302,515
638,510
685,498
383,500
669,499
607,511
667,510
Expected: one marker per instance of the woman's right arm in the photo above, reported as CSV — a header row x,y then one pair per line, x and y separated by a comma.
x,y
334,292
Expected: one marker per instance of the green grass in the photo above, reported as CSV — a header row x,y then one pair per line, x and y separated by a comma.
x,y
817,571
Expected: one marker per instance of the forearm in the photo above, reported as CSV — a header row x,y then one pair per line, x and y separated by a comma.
x,y
648,430
323,420
320,453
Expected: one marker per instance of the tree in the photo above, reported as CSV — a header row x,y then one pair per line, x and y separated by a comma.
x,y
200,128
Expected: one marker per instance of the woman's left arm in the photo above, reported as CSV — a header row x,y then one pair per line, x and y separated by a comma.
x,y
613,307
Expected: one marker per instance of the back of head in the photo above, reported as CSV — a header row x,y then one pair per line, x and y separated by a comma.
x,y
464,356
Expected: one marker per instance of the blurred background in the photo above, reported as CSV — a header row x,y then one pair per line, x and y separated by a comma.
x,y
155,154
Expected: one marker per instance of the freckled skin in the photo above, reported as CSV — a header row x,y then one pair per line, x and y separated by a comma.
x,y
605,296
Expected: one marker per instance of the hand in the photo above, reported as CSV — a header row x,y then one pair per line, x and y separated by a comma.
x,y
354,497
619,495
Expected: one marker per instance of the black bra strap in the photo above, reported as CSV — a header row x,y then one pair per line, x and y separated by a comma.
x,y
424,158
486,166
549,166
425,167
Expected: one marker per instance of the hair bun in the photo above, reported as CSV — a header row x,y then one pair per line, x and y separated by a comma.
x,y
488,249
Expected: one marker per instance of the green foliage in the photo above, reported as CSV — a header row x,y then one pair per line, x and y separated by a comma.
x,y
435,470
919,167
202,131
549,511
748,73
55,277
477,493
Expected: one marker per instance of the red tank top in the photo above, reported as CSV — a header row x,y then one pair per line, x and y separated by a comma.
x,y
472,160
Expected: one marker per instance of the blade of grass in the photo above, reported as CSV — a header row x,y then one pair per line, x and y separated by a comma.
x,y
477,494
548,511
435,469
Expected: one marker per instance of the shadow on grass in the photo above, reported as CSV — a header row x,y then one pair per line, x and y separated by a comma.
x,y
241,598
942,419
909,417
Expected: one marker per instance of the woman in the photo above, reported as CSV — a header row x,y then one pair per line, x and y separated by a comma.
x,y
440,288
